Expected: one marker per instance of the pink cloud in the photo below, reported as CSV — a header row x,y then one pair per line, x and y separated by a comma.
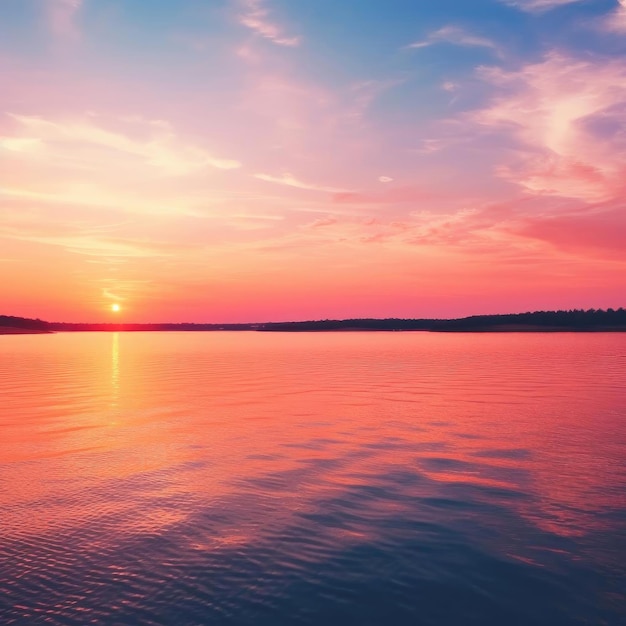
x,y
599,233
323,221
537,6
565,115
616,22
256,17
531,229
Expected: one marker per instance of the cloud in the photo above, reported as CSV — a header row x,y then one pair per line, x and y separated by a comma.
x,y
20,144
92,196
429,146
567,117
461,228
159,147
291,181
456,36
526,230
600,232
321,222
385,179
91,241
115,247
538,6
256,17
616,22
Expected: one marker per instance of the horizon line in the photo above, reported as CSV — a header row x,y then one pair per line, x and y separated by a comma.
x,y
304,321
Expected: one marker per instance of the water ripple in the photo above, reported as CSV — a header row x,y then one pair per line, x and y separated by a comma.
x,y
304,479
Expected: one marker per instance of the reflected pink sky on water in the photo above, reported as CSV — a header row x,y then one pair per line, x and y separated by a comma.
x,y
313,444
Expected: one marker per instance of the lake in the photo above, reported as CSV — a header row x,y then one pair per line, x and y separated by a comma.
x,y
313,478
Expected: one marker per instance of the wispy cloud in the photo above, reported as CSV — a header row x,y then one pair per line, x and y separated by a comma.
x,y
256,16
291,181
567,117
21,144
430,146
92,196
456,36
161,148
90,245
529,230
321,222
616,22
86,237
538,6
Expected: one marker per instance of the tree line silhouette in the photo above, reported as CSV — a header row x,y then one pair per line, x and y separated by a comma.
x,y
575,320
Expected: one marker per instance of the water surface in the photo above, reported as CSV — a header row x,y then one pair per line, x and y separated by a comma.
x,y
307,478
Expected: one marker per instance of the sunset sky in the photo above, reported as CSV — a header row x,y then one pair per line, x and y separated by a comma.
x,y
255,160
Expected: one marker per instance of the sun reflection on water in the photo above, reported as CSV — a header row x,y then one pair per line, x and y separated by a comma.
x,y
115,375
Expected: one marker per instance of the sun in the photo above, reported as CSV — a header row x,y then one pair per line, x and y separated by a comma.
x,y
115,308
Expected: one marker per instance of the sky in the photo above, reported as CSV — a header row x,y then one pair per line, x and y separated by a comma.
x,y
257,160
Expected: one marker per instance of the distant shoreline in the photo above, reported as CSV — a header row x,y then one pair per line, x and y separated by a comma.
x,y
574,320
482,330
486,329
532,328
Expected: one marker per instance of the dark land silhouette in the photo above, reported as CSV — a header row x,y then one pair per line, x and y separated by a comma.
x,y
22,326
574,320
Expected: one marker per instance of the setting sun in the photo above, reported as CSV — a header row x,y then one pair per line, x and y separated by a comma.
x,y
115,308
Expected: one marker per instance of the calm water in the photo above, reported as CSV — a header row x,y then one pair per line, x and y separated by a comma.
x,y
342,478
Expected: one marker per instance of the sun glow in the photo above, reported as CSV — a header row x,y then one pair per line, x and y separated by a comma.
x,y
115,308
